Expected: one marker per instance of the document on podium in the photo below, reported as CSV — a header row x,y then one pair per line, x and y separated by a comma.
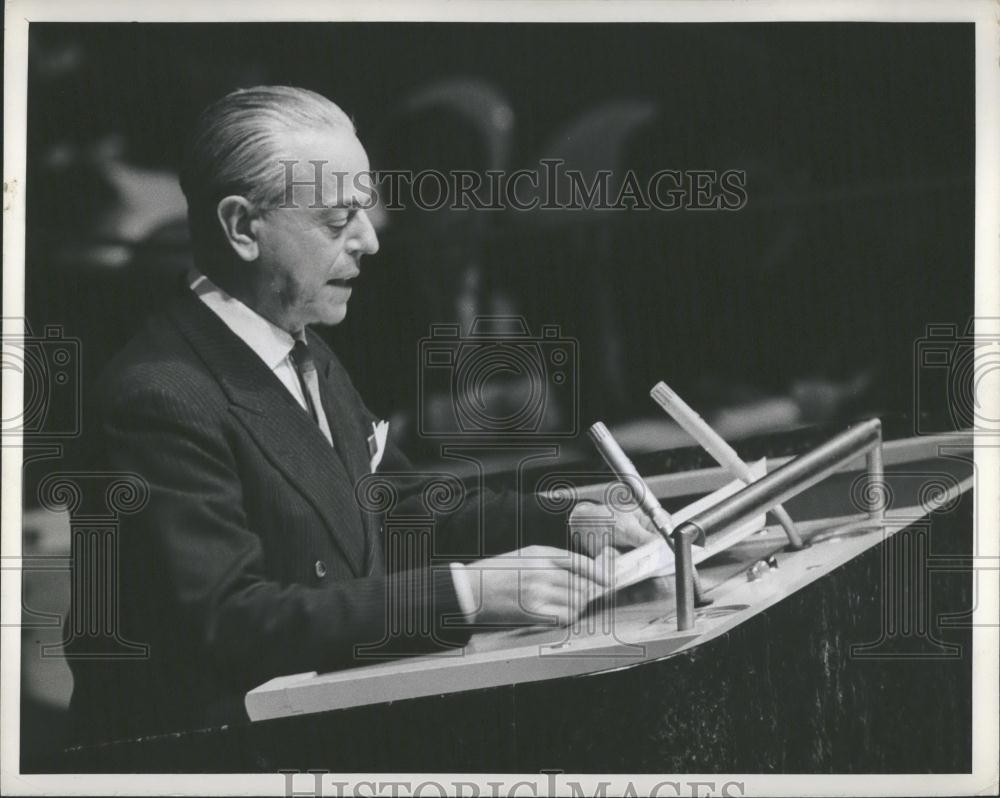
x,y
656,559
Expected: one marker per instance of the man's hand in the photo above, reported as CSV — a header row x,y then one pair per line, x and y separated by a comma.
x,y
534,585
596,526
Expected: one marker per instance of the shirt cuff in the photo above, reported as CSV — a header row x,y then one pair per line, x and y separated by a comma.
x,y
463,589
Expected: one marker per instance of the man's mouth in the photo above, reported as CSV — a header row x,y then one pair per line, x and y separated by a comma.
x,y
342,282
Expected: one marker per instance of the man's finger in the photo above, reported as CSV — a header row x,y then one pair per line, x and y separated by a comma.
x,y
579,564
605,560
630,531
645,522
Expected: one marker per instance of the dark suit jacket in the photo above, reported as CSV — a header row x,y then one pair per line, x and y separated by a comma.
x,y
252,557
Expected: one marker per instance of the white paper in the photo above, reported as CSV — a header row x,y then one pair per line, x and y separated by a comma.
x,y
656,559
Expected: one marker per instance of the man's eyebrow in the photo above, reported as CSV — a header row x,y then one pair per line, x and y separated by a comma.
x,y
328,212
348,205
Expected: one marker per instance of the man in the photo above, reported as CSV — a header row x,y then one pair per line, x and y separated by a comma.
x,y
252,557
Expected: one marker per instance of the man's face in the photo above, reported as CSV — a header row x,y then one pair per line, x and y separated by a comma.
x,y
308,256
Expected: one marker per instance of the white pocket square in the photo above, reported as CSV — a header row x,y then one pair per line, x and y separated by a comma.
x,y
376,443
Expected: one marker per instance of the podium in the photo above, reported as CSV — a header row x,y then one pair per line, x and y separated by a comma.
x,y
851,654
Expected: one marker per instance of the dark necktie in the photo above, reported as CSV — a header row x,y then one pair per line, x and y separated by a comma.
x,y
309,380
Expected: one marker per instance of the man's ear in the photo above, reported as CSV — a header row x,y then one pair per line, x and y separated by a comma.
x,y
236,216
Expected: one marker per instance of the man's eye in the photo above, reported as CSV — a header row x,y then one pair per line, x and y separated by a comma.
x,y
337,225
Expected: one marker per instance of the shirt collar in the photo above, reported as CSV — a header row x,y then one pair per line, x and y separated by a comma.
x,y
271,343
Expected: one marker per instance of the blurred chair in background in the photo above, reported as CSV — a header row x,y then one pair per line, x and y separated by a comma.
x,y
587,272
433,265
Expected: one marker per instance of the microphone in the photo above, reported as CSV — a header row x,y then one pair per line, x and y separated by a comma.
x,y
623,468
695,426
618,462
713,443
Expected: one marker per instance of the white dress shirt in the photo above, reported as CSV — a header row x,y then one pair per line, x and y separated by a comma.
x,y
274,346
269,342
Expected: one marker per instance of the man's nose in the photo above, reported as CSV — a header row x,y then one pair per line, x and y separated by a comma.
x,y
363,239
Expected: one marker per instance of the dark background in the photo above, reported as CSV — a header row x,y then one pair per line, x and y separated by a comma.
x,y
857,140
802,309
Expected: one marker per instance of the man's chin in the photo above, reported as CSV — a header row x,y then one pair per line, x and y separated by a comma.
x,y
333,315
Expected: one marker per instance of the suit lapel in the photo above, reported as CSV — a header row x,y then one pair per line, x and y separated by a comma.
x,y
349,437
284,431
349,434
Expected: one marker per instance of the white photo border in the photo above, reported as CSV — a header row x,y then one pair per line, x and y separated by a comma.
x,y
20,13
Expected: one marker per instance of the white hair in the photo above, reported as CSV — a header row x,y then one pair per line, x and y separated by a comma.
x,y
235,149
